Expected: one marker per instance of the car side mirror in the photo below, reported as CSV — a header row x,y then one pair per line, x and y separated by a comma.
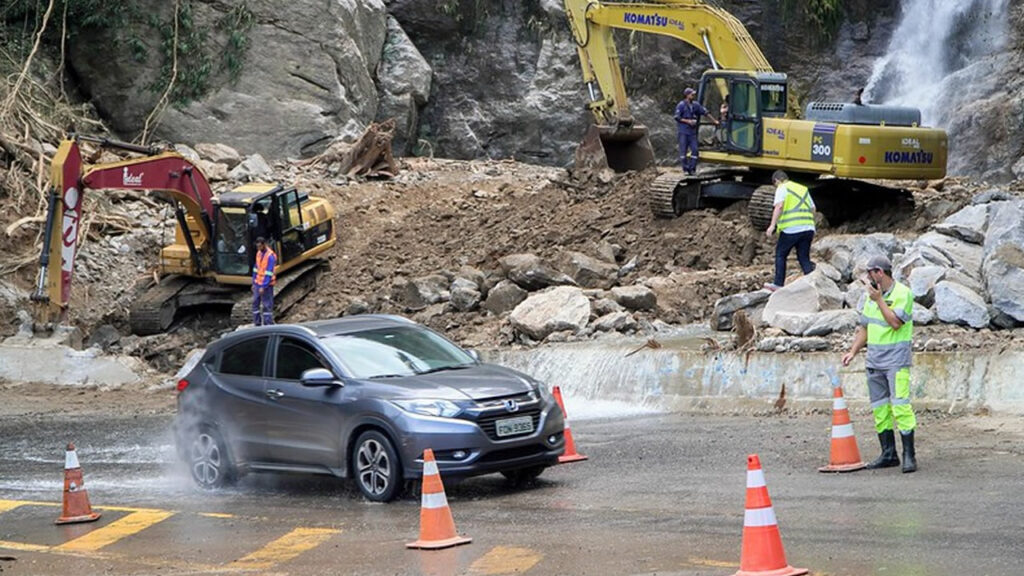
x,y
474,354
319,377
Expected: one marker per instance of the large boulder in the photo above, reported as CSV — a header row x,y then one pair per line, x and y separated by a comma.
x,y
219,153
1004,280
418,293
725,307
922,282
815,323
922,316
253,168
465,295
849,253
555,310
589,272
965,256
811,293
531,273
615,322
917,255
306,77
403,86
504,297
956,304
636,297
1005,225
968,224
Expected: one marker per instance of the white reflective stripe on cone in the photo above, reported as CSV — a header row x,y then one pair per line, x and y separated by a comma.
x,y
755,478
71,460
838,403
759,517
842,431
429,468
437,500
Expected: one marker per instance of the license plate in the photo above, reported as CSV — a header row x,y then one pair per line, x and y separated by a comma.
x,y
513,426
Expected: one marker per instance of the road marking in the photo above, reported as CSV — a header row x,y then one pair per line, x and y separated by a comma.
x,y
216,515
121,528
284,548
24,547
6,505
505,560
712,563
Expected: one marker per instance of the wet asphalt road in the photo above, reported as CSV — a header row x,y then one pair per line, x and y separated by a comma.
x,y
660,494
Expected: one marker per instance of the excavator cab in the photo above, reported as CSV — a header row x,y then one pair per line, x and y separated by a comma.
x,y
749,97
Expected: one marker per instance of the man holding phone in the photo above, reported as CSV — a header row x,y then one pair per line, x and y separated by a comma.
x,y
887,329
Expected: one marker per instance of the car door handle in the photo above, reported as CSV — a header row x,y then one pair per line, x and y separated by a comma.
x,y
274,394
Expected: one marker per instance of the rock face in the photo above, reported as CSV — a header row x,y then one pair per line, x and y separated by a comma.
x,y
956,304
403,81
308,76
555,310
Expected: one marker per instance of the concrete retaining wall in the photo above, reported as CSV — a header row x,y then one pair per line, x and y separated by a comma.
x,y
680,378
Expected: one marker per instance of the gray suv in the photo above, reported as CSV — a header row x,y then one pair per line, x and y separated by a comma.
x,y
360,397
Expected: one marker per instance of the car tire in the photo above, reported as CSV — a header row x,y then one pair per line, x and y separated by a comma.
x,y
523,475
376,468
208,460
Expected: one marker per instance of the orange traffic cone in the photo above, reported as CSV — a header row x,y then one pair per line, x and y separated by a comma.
x,y
570,445
437,529
845,456
762,553
76,499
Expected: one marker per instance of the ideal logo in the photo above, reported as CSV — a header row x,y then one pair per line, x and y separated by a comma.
x,y
646,19
777,132
129,179
904,157
911,143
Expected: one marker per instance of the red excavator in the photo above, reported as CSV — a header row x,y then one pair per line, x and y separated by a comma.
x,y
211,259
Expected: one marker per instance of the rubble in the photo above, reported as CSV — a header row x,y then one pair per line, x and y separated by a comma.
x,y
554,310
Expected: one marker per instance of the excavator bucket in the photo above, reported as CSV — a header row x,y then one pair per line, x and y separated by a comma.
x,y
620,148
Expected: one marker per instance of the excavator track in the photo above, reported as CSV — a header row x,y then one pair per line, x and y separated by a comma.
x,y
154,311
761,206
661,195
289,290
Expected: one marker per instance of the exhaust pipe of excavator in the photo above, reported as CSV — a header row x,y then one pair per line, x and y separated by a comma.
x,y
621,148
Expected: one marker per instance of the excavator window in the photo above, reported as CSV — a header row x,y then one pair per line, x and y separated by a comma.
x,y
745,119
232,233
773,99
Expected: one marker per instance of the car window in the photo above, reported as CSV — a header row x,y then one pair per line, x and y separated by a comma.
x,y
397,351
245,359
295,357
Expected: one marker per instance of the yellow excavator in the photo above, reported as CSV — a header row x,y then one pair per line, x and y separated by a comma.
x,y
212,257
829,149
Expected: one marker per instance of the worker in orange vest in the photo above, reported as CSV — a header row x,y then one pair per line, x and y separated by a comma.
x,y
263,280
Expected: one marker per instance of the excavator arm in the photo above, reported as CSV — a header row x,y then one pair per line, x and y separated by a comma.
x,y
707,28
166,172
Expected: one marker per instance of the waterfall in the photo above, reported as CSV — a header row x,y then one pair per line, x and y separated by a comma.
x,y
935,55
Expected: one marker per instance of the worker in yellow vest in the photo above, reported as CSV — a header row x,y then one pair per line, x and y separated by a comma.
x,y
264,277
887,328
793,219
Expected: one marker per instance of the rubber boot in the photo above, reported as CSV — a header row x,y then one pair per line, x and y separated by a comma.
x,y
909,457
888,458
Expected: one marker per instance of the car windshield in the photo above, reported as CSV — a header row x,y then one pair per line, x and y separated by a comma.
x,y
396,351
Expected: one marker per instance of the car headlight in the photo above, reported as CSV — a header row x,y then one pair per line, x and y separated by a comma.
x,y
544,392
429,407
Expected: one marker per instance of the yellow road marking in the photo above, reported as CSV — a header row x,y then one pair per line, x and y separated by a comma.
x,y
505,560
23,546
130,524
140,560
712,563
6,505
284,548
216,515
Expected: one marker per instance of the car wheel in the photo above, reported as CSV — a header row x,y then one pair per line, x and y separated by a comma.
x,y
523,475
208,460
376,467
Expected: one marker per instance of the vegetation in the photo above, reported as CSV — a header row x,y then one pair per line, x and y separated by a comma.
x,y
824,16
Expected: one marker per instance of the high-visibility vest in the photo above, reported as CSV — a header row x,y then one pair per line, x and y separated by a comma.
x,y
796,208
263,259
888,348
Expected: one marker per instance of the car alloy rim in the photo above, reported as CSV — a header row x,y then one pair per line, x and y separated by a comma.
x,y
205,459
374,467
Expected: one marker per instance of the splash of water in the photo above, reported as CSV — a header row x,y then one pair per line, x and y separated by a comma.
x,y
934,53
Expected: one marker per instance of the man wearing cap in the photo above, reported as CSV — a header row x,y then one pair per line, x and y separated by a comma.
x,y
688,114
793,219
264,277
887,327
